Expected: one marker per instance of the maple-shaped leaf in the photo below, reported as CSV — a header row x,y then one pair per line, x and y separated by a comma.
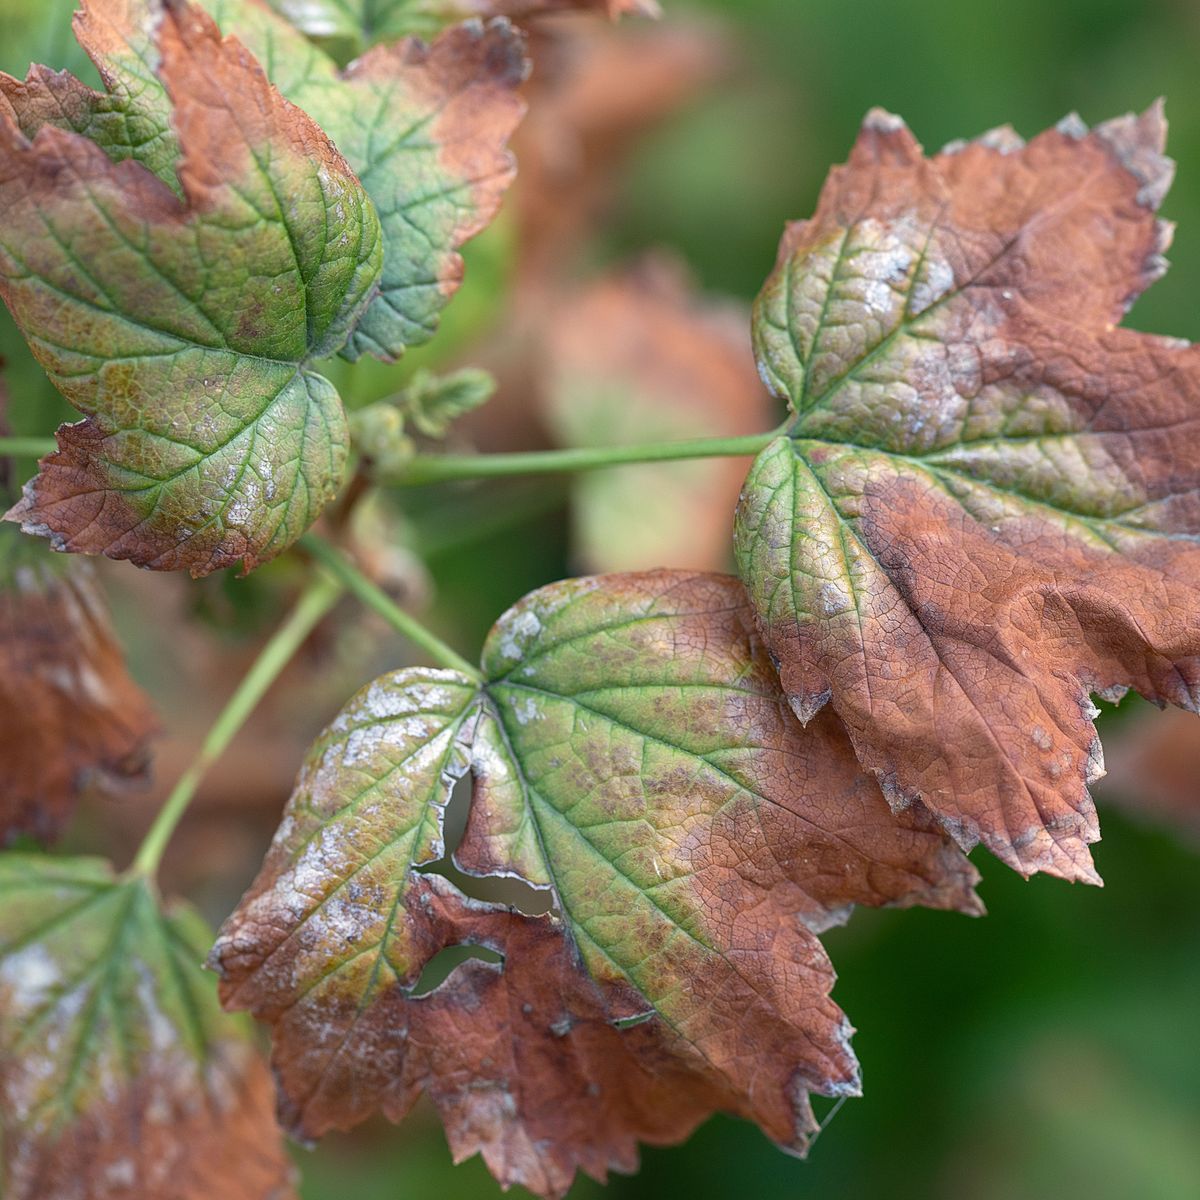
x,y
426,128
120,1077
640,357
635,761
70,716
184,326
364,22
987,504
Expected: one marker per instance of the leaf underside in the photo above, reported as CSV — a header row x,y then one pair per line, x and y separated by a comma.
x,y
987,503
633,758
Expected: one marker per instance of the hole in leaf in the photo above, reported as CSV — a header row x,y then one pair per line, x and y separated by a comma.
x,y
437,969
631,1022
495,889
458,808
492,889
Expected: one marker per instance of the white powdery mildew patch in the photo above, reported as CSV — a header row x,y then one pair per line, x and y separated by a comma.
x,y
517,634
833,600
933,282
885,258
244,505
38,1077
27,978
163,1035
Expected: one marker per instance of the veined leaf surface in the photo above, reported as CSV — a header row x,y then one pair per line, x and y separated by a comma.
x,y
120,1077
184,325
635,762
988,502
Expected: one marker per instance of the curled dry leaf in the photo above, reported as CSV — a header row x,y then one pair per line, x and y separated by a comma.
x,y
363,22
633,760
120,1077
987,504
70,716
639,357
184,328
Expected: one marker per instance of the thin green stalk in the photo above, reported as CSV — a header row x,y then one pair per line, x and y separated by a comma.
x,y
442,467
355,582
317,599
26,447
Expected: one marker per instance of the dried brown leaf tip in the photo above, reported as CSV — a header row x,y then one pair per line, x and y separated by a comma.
x,y
70,716
680,841
120,1078
987,504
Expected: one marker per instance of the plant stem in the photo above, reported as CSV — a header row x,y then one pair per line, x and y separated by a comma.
x,y
27,447
442,467
317,599
355,582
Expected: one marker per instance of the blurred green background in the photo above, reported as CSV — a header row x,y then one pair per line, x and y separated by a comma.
x,y
1053,1048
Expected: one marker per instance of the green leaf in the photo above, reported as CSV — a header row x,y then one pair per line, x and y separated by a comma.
x,y
425,128
635,766
185,329
122,1077
988,503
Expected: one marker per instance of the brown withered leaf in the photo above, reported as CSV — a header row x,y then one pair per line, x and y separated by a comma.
x,y
639,356
70,716
120,1077
987,504
635,762
597,90
1155,771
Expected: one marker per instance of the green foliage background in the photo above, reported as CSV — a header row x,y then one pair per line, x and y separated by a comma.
x,y
1048,1050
